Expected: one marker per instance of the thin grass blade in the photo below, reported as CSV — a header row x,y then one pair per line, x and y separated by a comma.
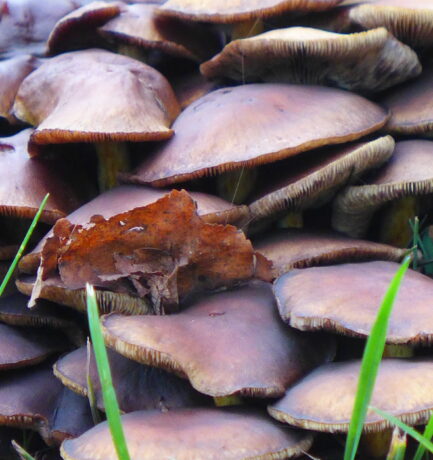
x,y
428,434
90,390
406,428
108,393
23,245
23,454
370,362
397,448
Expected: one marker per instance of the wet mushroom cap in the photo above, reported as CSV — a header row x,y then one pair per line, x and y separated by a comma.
x,y
31,179
409,172
367,61
137,387
346,298
323,400
227,343
411,106
312,177
293,248
74,108
229,11
214,434
408,20
255,124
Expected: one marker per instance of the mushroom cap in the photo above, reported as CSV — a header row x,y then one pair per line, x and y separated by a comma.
x,y
229,11
185,434
367,61
137,387
303,181
411,106
323,400
12,73
139,25
215,341
255,124
293,248
74,106
408,20
346,298
190,87
21,347
25,181
212,209
74,29
409,172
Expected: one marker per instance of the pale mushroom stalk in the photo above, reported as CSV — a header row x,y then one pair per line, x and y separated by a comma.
x,y
235,186
113,157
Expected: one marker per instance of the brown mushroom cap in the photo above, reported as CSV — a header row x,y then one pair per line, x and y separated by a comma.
x,y
408,20
303,181
293,248
228,343
411,106
366,61
229,11
126,197
137,387
346,298
25,181
255,124
139,25
185,434
74,108
409,172
323,400
21,347
12,73
78,27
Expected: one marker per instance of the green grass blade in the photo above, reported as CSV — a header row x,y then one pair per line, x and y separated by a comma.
x,y
397,448
406,428
21,452
23,245
90,390
370,363
428,434
108,393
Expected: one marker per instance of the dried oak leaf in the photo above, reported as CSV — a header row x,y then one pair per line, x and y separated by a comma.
x,y
164,250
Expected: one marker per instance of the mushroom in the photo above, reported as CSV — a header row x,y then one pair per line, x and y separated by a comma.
x,y
239,434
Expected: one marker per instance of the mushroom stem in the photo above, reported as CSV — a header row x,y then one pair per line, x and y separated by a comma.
x,y
133,52
113,158
292,219
376,445
235,186
398,351
247,29
395,228
221,401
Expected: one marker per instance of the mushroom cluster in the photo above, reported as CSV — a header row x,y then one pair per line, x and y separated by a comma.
x,y
236,179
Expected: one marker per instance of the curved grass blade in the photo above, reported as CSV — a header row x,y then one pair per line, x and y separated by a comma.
x,y
428,434
406,428
23,454
370,362
23,245
108,393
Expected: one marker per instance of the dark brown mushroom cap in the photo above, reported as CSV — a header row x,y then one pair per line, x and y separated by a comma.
x,y
408,20
184,434
74,106
366,61
127,197
137,387
25,181
55,291
255,124
21,347
229,11
293,248
138,25
323,400
26,24
313,177
410,106
79,26
345,298
228,343
12,73
409,172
